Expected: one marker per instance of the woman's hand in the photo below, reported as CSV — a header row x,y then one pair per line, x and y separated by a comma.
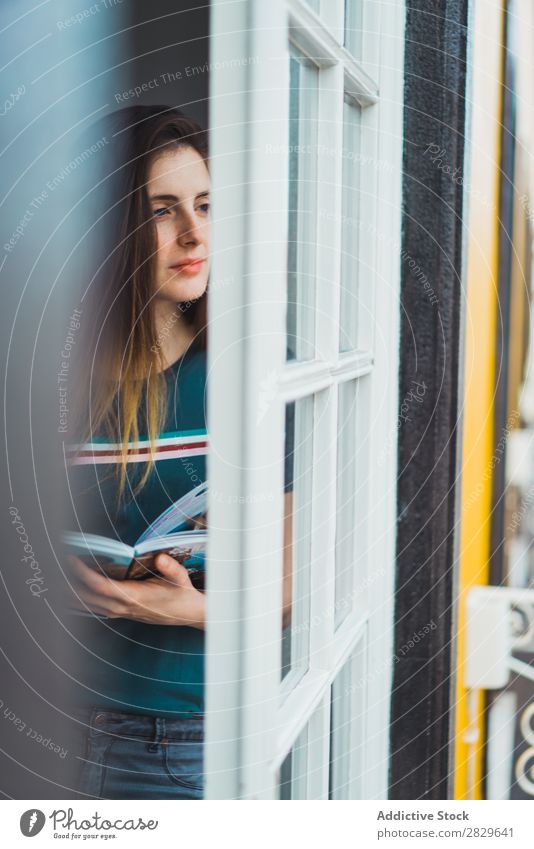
x,y
167,600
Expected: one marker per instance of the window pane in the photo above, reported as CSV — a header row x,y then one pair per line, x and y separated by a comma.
x,y
346,499
353,27
302,206
347,728
314,4
350,228
293,772
297,542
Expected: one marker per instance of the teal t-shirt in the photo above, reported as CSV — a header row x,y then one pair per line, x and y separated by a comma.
x,y
127,665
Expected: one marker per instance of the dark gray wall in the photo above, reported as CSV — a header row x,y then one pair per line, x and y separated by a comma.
x,y
170,55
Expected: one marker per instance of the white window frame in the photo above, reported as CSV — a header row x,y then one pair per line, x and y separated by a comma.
x,y
250,729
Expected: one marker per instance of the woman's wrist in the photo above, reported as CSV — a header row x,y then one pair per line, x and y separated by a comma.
x,y
198,612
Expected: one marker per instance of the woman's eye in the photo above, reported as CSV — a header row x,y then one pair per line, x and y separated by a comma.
x,y
204,207
159,213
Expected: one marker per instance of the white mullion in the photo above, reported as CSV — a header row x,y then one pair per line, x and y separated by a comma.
x,y
347,637
309,33
327,306
371,25
299,379
383,405
358,84
222,754
309,706
329,179
368,226
297,709
261,631
300,766
301,703
361,577
245,540
304,378
323,530
360,746
350,722
325,490
352,364
318,744
325,409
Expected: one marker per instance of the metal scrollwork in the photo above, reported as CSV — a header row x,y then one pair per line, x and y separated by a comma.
x,y
522,617
524,771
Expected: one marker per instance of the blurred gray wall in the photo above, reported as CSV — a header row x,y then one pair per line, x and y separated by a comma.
x,y
65,63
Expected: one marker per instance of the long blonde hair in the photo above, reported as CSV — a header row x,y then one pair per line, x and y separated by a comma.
x,y
124,389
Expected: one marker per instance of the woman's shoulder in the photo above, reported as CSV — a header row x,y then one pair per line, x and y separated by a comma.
x,y
186,402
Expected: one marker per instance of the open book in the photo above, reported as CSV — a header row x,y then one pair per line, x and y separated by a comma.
x,y
180,531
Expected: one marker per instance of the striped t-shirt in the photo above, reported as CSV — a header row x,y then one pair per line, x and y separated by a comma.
x,y
127,665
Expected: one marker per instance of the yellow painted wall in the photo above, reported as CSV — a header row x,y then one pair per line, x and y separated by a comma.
x,y
479,367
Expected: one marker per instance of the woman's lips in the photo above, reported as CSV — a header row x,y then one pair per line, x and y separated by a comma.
x,y
190,269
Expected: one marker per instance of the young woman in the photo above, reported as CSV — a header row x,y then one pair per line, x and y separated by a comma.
x,y
141,444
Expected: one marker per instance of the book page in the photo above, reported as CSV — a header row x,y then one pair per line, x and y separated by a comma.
x,y
178,516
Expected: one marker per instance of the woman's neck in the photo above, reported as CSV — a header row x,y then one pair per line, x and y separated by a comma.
x,y
173,334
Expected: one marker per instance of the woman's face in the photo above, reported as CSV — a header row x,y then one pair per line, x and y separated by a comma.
x,y
178,188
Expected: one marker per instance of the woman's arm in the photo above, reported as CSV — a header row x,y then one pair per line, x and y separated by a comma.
x,y
167,600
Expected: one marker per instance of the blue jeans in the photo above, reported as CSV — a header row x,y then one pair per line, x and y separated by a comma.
x,y
128,756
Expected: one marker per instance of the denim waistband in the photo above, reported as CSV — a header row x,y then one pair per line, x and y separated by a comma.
x,y
153,728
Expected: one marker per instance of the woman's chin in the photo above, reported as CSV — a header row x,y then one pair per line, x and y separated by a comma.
x,y
183,290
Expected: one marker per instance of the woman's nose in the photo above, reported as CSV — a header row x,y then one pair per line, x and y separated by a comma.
x,y
188,231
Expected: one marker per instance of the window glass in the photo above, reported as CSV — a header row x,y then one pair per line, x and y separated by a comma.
x,y
346,499
353,27
297,543
293,772
350,228
347,728
302,206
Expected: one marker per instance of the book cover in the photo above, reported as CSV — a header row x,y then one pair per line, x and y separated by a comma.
x,y
180,531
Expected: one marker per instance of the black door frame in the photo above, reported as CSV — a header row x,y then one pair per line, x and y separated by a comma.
x,y
429,389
